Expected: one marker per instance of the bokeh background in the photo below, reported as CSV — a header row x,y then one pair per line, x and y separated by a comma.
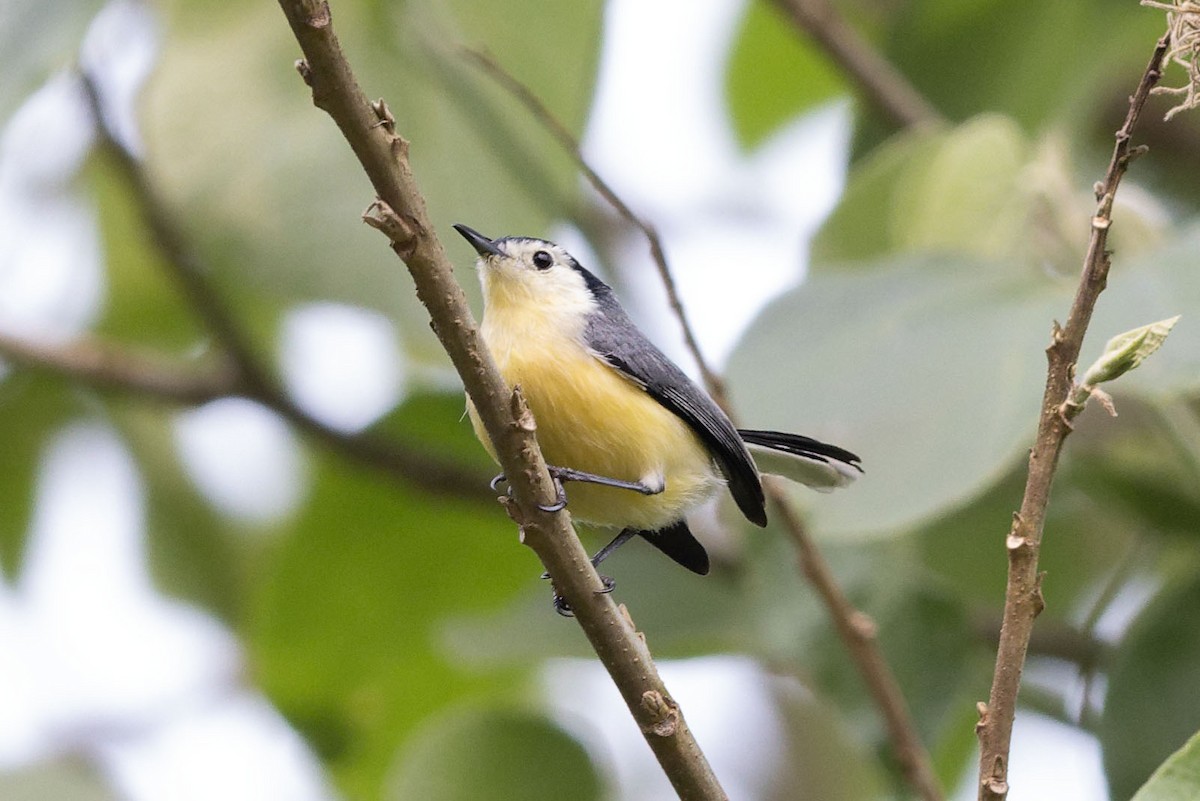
x,y
211,598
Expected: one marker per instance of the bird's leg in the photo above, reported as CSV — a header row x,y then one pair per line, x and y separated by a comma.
x,y
561,474
570,474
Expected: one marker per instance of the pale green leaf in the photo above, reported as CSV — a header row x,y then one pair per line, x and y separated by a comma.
x,y
493,755
930,368
773,75
1152,707
1177,779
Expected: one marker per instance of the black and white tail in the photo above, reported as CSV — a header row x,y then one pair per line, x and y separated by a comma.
x,y
802,459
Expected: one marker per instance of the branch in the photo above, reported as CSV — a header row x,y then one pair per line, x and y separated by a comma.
x,y
400,212
855,627
187,269
1023,596
106,366
884,86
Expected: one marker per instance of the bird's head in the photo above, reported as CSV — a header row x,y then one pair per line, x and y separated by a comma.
x,y
518,269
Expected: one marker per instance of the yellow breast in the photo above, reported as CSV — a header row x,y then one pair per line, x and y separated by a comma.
x,y
589,417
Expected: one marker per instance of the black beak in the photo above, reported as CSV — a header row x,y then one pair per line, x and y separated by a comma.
x,y
483,246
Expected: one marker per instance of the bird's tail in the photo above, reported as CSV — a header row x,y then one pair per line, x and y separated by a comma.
x,y
803,459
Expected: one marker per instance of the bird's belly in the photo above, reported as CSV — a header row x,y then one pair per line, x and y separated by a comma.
x,y
590,418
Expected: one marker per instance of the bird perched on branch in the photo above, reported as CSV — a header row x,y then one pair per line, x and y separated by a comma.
x,y
642,444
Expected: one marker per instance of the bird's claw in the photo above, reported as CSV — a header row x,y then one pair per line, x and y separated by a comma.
x,y
563,608
560,501
497,481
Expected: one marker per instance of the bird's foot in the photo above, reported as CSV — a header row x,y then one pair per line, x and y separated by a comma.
x,y
563,608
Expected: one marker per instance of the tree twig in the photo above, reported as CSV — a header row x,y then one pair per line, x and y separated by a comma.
x,y
106,366
855,627
1023,595
187,269
100,364
881,83
400,212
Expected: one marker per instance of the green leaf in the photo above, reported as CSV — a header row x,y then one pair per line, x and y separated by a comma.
x,y
1148,286
980,189
344,624
32,408
1008,56
929,367
1177,779
1152,706
1126,351
773,75
486,754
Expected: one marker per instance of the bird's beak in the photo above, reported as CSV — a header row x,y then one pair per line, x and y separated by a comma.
x,y
483,246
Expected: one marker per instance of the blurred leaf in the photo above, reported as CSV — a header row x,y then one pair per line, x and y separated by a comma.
x,y
1152,706
343,630
1008,55
937,380
821,760
61,780
773,75
38,37
486,754
194,552
1177,779
980,189
938,252
32,408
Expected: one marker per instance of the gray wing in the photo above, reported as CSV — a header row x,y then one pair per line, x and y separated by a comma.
x,y
613,337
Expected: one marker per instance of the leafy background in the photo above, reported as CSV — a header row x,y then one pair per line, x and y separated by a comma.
x,y
403,635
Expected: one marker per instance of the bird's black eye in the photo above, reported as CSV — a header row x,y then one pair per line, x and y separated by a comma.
x,y
543,260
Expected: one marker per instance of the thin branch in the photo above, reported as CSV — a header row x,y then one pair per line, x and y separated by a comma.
x,y
1023,596
400,212
857,630
884,86
187,269
105,366
571,146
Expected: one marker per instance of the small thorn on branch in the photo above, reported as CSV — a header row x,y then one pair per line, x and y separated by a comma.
x,y
386,120
1039,600
402,234
664,715
982,709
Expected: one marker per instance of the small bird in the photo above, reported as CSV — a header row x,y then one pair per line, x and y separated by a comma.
x,y
642,443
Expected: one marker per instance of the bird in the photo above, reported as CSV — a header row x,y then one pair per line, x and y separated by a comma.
x,y
640,442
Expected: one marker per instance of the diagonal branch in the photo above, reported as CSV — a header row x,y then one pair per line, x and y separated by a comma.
x,y
105,366
884,86
1023,596
188,271
400,212
856,628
